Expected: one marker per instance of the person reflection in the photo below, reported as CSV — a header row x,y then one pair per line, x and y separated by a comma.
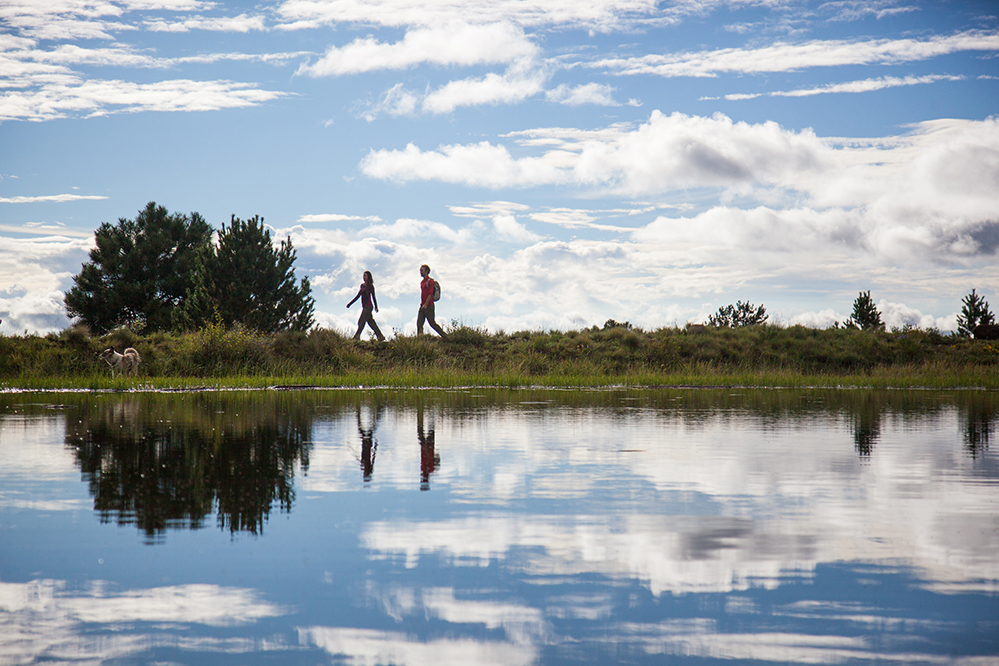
x,y
369,447
430,460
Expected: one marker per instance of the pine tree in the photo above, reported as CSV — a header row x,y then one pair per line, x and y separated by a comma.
x,y
139,270
974,311
248,281
866,315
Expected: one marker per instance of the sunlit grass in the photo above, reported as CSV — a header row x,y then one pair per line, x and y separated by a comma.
x,y
619,355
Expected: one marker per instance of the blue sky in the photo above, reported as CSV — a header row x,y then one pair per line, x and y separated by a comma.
x,y
556,163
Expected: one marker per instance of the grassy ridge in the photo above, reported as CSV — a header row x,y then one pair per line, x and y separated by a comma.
x,y
764,355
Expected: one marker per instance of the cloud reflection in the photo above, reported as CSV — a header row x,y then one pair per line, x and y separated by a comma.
x,y
41,620
369,646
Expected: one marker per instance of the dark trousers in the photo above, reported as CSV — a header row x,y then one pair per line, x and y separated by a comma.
x,y
366,318
427,314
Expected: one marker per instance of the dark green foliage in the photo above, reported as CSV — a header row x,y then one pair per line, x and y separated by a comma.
x,y
740,314
866,315
139,272
245,280
974,311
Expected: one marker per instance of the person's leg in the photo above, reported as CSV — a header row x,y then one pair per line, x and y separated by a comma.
x,y
433,322
374,327
420,318
360,324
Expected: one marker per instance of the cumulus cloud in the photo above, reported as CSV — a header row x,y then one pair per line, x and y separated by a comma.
x,y
926,195
36,271
510,229
900,315
784,57
648,280
481,164
453,44
666,153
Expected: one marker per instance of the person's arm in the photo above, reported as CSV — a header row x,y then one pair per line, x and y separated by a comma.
x,y
355,298
374,299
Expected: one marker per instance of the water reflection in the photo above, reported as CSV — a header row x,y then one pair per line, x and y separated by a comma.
x,y
979,417
430,460
566,526
369,445
866,417
167,462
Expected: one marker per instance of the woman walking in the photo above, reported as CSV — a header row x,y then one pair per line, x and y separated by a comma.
x,y
368,301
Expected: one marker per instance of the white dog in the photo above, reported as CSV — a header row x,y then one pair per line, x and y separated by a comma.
x,y
128,362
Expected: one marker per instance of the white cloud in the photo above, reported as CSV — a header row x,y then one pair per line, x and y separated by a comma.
x,y
821,319
35,272
520,81
515,85
927,195
783,57
667,153
486,209
52,197
335,217
510,229
454,44
589,93
72,19
397,101
900,315
602,15
242,24
481,164
867,85
100,97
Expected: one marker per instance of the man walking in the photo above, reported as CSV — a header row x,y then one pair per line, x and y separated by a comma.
x,y
427,303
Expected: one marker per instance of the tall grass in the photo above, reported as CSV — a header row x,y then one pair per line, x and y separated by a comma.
x,y
764,355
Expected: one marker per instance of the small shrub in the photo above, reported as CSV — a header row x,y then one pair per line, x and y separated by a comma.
x,y
76,334
120,338
466,336
740,314
217,350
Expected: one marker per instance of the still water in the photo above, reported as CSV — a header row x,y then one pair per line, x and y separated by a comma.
x,y
481,526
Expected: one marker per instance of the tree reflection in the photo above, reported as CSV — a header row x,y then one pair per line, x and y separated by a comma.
x,y
168,464
866,417
979,416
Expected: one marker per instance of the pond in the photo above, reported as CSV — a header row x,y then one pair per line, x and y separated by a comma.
x,y
482,526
